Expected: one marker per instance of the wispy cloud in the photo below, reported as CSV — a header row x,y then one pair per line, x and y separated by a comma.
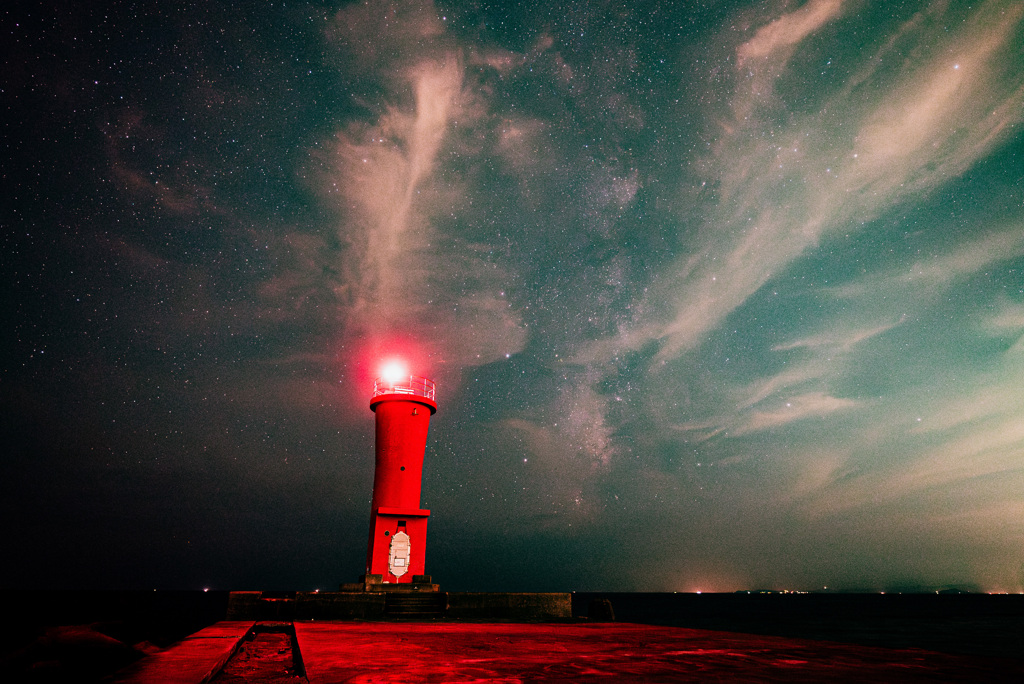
x,y
828,356
926,279
130,140
384,177
764,57
1008,319
887,298
780,38
555,478
799,407
836,341
953,438
860,410
396,272
781,192
778,183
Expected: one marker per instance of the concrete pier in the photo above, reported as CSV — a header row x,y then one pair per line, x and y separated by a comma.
x,y
565,652
195,659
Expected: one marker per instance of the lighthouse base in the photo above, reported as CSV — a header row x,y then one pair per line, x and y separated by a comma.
x,y
399,604
376,583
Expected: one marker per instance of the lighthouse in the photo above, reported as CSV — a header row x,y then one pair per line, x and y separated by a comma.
x,y
403,405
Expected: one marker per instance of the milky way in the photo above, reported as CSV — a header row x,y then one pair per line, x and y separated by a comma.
x,y
716,295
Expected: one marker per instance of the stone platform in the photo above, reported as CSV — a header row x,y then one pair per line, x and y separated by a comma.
x,y
350,651
195,659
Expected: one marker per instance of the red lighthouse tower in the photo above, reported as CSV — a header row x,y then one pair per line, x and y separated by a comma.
x,y
403,405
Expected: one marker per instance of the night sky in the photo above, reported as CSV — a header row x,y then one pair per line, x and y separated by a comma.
x,y
717,295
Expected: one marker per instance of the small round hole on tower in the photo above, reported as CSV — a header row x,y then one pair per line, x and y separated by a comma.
x,y
402,468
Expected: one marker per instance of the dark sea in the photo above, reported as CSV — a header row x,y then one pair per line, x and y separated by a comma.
x,y
969,624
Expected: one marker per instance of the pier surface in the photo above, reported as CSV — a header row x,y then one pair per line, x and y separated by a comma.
x,y
347,651
195,659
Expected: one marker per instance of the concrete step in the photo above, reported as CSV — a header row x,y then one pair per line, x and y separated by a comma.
x,y
195,659
412,605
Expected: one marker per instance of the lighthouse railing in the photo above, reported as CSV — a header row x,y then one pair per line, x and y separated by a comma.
x,y
412,384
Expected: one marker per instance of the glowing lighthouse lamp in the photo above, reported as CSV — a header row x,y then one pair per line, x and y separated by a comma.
x,y
403,405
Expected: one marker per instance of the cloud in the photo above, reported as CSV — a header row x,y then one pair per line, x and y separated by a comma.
x,y
781,36
794,396
793,377
799,407
930,440
382,173
764,57
943,115
980,469
948,447
864,411
780,194
521,144
836,413
133,146
382,35
829,355
836,341
397,275
699,431
908,288
1007,320
552,474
